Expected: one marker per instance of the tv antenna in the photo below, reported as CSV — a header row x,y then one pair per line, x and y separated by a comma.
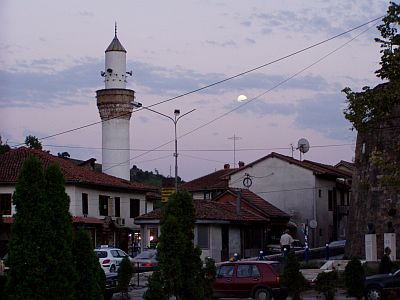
x,y
234,138
303,146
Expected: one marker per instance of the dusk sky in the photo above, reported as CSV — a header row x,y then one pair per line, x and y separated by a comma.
x,y
52,52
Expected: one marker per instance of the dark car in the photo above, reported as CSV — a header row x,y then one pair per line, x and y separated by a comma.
x,y
382,285
111,285
249,279
146,261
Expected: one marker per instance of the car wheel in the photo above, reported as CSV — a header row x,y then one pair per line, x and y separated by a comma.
x,y
374,293
262,294
112,269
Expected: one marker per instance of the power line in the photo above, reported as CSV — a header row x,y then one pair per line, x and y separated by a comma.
x,y
217,82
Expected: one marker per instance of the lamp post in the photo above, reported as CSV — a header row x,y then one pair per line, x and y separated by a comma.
x,y
175,120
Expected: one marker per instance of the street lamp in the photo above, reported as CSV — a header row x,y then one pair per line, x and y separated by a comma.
x,y
175,120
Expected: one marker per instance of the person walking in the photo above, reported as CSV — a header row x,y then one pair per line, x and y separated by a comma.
x,y
286,241
386,265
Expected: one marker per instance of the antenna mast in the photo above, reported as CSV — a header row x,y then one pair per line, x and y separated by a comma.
x,y
234,138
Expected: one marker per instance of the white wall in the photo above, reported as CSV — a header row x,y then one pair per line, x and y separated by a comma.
x,y
8,190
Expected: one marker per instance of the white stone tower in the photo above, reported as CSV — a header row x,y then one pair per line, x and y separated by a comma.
x,y
115,104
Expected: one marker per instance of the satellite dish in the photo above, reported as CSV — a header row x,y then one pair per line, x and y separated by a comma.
x,y
303,145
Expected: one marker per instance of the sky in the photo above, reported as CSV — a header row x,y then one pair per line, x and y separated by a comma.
x,y
52,52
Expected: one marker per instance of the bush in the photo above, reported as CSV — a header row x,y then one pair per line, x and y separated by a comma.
x,y
292,277
326,284
155,288
210,272
125,272
354,277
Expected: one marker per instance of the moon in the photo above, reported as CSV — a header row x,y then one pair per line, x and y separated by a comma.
x,y
241,98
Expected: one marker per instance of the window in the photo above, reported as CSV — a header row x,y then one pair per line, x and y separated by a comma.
x,y
225,271
117,207
203,236
5,204
134,208
85,205
319,193
103,205
248,271
330,201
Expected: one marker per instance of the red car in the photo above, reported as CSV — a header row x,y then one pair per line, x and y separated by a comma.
x,y
249,279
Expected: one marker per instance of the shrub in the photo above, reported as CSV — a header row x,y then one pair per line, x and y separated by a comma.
x,y
354,277
210,272
326,284
292,277
125,272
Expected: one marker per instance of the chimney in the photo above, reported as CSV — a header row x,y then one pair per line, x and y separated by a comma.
x,y
226,166
241,164
238,199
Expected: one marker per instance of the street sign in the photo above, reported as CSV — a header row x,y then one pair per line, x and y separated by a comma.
x,y
166,193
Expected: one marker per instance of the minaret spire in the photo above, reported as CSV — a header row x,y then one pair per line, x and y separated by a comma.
x,y
115,30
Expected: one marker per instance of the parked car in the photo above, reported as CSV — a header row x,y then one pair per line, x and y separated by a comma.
x,y
249,279
146,261
382,285
111,285
337,244
276,248
110,258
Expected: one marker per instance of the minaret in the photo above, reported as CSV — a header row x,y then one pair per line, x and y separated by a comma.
x,y
115,104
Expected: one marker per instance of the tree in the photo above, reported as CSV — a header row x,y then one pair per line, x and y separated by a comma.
x,y
179,263
63,154
292,277
155,288
33,142
3,147
354,277
90,276
326,284
40,245
209,273
125,273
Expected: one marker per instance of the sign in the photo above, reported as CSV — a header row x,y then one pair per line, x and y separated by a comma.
x,y
166,193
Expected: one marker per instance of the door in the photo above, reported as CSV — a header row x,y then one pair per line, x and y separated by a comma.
x,y
222,285
225,243
247,276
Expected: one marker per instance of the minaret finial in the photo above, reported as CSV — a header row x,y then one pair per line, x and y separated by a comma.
x,y
115,28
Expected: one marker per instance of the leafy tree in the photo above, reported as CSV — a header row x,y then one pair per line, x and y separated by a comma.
x,y
292,277
90,276
40,245
125,273
3,147
354,277
179,263
326,284
33,142
63,154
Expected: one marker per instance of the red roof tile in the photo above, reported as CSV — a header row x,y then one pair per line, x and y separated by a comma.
x,y
87,220
255,202
11,162
212,181
211,210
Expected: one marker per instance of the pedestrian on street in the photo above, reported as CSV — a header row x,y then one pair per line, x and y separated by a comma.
x,y
286,241
260,255
386,265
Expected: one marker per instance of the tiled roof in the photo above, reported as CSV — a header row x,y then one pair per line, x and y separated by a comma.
x,y
346,164
317,168
212,181
11,162
256,202
211,210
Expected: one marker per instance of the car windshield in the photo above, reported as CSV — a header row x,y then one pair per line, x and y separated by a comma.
x,y
147,254
101,254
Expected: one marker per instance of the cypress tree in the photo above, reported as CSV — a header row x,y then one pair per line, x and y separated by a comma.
x,y
125,272
41,236
292,277
180,267
90,275
354,277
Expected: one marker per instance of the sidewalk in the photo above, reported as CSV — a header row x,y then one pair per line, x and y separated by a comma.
x,y
313,295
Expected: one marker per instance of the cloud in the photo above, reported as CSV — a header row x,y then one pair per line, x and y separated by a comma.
x,y
228,43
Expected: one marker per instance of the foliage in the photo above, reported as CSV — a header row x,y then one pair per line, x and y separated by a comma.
x,y
33,142
292,277
179,263
63,154
41,238
90,276
3,147
125,272
148,177
209,273
370,107
326,284
354,278
155,288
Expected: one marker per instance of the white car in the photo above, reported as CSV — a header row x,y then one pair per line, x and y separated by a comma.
x,y
110,258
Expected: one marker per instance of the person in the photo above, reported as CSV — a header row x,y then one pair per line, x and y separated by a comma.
x,y
286,241
260,255
386,265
